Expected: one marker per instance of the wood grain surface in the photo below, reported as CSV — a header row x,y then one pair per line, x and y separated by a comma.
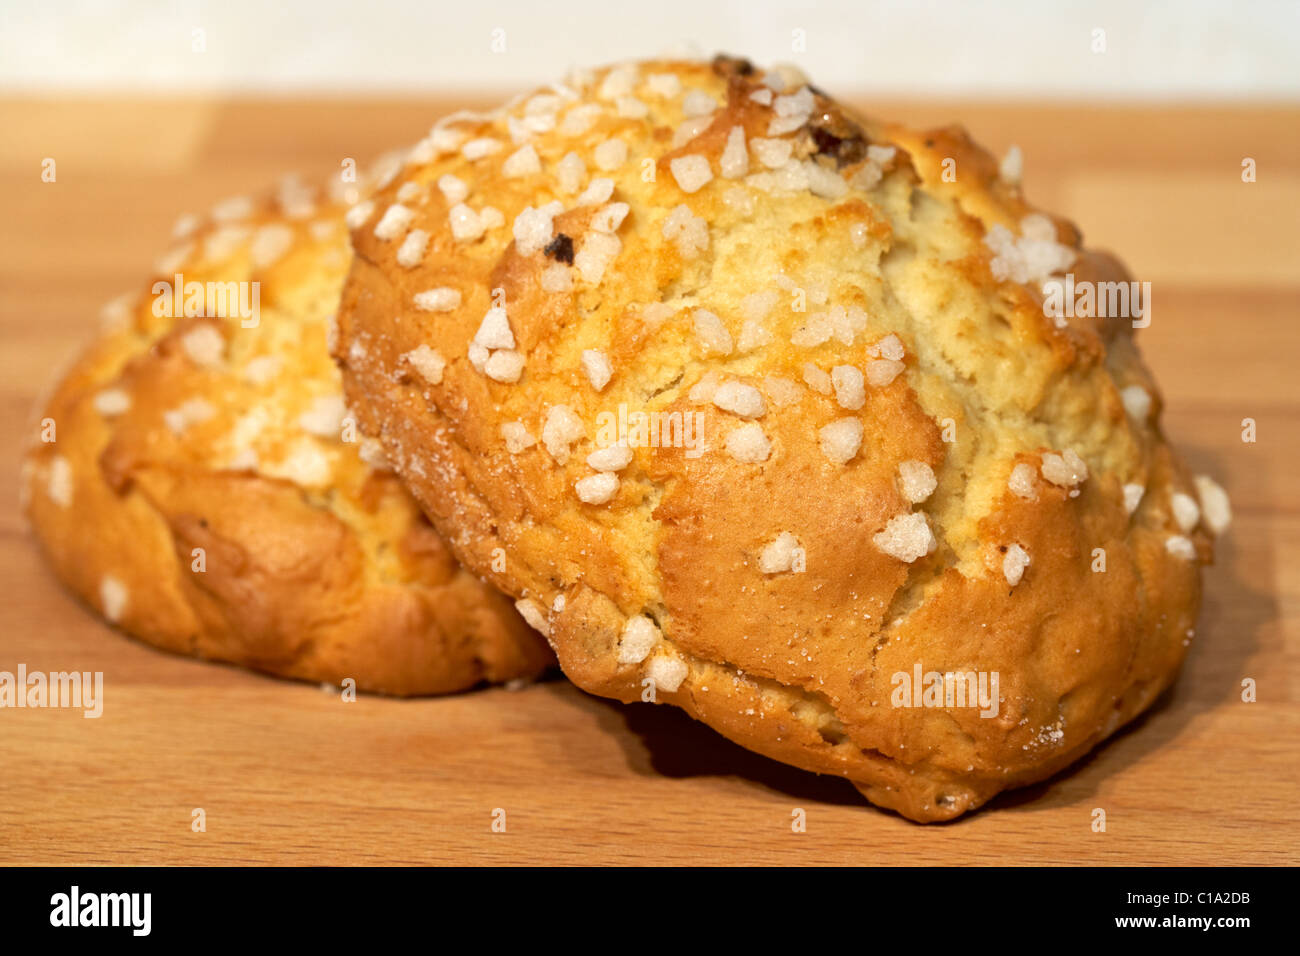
x,y
287,773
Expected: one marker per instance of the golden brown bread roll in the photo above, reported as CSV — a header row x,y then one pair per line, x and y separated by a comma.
x,y
755,405
205,490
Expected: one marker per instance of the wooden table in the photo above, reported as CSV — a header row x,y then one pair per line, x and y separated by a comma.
x,y
287,774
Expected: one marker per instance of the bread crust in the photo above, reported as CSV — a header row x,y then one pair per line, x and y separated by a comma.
x,y
204,492
855,221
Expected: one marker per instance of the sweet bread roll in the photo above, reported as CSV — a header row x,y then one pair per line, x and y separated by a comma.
x,y
196,477
755,405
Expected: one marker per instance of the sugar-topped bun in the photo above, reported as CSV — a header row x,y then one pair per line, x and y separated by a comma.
x,y
759,414
205,491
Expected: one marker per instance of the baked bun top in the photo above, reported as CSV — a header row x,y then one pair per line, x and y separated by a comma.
x,y
197,478
759,400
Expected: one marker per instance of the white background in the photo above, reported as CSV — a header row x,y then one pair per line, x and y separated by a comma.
x,y
1193,49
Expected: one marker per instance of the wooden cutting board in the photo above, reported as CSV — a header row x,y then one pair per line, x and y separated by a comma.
x,y
286,773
